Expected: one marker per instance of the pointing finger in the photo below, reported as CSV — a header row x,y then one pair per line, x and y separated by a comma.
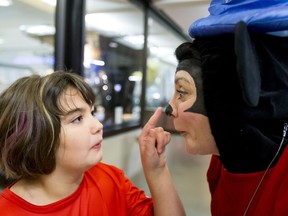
x,y
152,122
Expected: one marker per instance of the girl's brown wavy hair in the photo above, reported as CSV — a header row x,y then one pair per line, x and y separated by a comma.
x,y
30,124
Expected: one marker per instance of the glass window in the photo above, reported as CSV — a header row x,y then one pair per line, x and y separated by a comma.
x,y
113,59
26,42
161,66
26,38
161,63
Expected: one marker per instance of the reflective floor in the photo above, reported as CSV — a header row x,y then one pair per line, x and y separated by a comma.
x,y
188,172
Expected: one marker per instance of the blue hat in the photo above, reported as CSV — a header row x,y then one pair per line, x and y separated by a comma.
x,y
265,16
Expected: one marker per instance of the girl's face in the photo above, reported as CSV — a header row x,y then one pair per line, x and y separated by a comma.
x,y
81,134
194,127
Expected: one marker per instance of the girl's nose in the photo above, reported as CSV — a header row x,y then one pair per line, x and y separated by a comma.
x,y
97,126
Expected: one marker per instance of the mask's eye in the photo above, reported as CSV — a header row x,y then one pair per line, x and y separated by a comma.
x,y
181,94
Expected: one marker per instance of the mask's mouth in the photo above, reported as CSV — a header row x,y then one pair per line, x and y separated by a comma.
x,y
182,133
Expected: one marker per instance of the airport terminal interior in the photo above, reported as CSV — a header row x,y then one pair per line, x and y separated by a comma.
x,y
125,42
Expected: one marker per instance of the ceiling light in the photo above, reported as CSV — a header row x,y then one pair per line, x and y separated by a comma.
x,y
110,24
113,44
50,2
135,78
5,3
38,30
133,41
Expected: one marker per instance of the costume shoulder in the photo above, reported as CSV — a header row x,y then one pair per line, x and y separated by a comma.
x,y
275,194
259,15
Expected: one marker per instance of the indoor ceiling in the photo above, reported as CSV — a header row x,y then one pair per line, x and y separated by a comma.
x,y
36,12
184,12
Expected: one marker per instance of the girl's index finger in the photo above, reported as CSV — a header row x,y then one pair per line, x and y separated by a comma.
x,y
152,122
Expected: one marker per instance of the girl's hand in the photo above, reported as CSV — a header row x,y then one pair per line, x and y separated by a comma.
x,y
152,143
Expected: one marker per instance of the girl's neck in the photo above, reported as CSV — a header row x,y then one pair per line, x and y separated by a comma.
x,y
46,189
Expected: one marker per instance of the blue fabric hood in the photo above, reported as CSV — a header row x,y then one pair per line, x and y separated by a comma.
x,y
265,16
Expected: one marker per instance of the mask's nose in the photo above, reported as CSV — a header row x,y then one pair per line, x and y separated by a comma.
x,y
169,110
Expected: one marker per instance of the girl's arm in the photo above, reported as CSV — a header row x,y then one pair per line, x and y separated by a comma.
x,y
152,143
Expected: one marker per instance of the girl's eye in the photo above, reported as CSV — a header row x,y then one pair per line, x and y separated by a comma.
x,y
94,113
77,120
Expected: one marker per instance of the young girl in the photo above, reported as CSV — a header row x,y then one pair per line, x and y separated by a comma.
x,y
51,145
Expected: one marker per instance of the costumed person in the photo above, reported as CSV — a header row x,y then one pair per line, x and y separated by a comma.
x,y
231,99
51,145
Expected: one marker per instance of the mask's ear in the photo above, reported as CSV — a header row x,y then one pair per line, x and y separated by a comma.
x,y
247,65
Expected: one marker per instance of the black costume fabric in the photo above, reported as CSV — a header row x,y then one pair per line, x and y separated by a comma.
x,y
245,84
189,60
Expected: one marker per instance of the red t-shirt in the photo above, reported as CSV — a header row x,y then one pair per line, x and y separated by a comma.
x,y
231,193
104,191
